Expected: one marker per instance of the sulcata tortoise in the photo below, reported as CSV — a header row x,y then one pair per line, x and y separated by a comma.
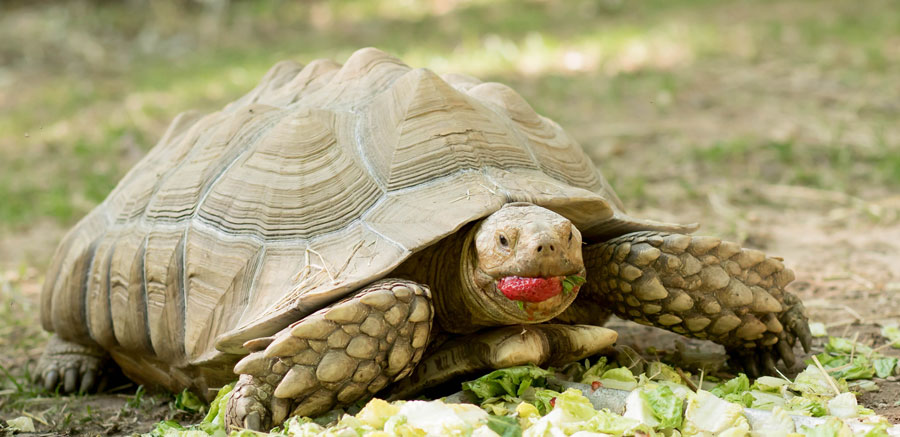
x,y
343,229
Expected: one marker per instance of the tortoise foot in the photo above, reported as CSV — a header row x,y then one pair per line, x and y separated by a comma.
x,y
701,287
250,405
334,357
69,366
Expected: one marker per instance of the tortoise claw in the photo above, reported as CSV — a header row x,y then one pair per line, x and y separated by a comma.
x,y
88,381
252,422
71,378
805,337
51,380
768,363
786,353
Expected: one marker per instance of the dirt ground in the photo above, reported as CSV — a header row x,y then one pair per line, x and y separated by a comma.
x,y
780,130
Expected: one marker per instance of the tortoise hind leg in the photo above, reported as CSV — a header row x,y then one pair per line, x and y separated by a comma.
x,y
540,344
70,366
700,287
334,357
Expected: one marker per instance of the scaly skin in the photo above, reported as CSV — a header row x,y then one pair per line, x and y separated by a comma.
x,y
700,287
335,356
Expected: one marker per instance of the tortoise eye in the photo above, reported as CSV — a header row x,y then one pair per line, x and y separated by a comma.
x,y
503,241
570,236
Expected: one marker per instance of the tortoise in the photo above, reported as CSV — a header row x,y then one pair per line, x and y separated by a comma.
x,y
344,230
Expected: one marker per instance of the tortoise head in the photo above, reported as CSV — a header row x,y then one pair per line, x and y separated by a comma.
x,y
522,264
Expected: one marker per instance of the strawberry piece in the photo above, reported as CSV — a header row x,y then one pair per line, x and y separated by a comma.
x,y
530,289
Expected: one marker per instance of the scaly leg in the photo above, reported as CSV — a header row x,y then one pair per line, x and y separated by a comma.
x,y
541,344
700,287
333,357
74,365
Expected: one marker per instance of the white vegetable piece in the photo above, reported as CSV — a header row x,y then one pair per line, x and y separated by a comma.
x,y
707,415
637,408
843,406
778,424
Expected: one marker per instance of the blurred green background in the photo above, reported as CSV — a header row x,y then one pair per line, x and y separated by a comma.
x,y
774,123
672,98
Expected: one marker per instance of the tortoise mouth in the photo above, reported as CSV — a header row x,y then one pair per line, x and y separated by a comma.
x,y
530,289
536,298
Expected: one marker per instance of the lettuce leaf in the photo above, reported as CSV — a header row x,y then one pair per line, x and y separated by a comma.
x,y
833,427
846,346
884,367
666,406
892,332
511,381
708,415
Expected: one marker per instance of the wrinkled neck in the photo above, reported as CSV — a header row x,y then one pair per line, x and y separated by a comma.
x,y
448,267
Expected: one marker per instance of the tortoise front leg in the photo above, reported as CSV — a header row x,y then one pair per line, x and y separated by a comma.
x,y
700,287
541,344
333,357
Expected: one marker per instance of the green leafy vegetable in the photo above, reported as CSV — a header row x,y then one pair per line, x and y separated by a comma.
x,y
806,406
846,346
511,381
570,282
832,427
813,381
884,367
665,405
504,426
734,390
610,423
707,414
187,401
817,329
892,332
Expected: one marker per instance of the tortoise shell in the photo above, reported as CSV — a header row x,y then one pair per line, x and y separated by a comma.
x,y
320,180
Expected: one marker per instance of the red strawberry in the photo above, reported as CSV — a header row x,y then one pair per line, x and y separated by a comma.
x,y
530,289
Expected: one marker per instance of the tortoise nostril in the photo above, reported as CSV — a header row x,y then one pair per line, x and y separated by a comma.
x,y
552,248
540,248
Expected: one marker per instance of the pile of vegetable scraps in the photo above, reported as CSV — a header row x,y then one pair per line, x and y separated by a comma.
x,y
602,398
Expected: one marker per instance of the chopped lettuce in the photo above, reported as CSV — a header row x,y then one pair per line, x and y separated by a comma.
x,y
843,406
658,371
511,381
571,282
734,390
20,424
817,329
610,423
504,426
574,415
770,384
376,413
806,405
765,400
619,378
665,405
884,367
892,332
846,346
813,381
833,427
708,415
637,408
779,424
302,427
187,401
